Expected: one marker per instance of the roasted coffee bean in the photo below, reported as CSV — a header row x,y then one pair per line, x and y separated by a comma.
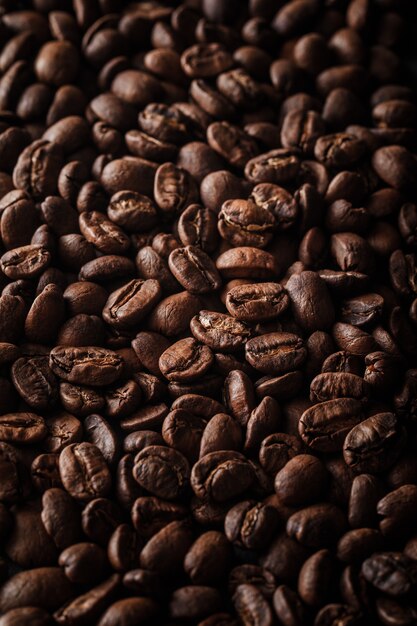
x,y
129,304
317,526
76,561
374,444
276,450
91,603
151,514
44,587
90,366
172,315
35,382
275,352
38,167
277,166
291,480
25,262
288,606
185,361
84,472
222,432
257,303
222,475
233,144
390,572
250,604
183,431
315,582
239,396
310,301
332,385
208,559
164,472
60,517
247,262
324,426
22,428
365,493
243,223
194,270
219,331
158,554
277,200
251,525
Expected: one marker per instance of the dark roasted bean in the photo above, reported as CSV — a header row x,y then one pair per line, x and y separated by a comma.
x,y
374,444
275,352
91,366
84,472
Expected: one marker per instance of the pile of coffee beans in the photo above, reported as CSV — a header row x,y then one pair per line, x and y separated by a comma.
x,y
208,313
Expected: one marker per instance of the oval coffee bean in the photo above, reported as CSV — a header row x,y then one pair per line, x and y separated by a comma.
x,y
374,444
128,305
84,472
257,303
185,361
275,352
88,366
324,426
194,270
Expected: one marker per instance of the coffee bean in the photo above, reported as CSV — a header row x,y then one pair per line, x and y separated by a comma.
x,y
374,444
43,587
221,475
291,479
249,601
129,304
221,433
288,606
310,301
35,382
275,352
208,559
316,577
60,518
256,303
391,572
84,472
205,60
231,143
247,262
25,262
251,525
219,331
185,360
332,385
37,168
91,366
22,428
277,166
317,526
162,471
76,561
194,270
89,604
158,555
324,426
172,315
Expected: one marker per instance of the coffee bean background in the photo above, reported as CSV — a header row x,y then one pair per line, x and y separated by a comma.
x,y
208,313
